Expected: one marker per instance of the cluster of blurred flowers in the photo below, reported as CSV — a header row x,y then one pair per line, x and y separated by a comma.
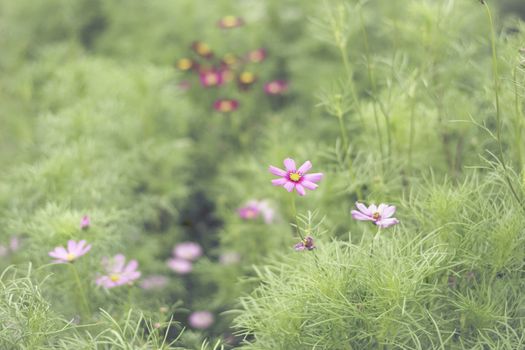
x,y
183,256
214,70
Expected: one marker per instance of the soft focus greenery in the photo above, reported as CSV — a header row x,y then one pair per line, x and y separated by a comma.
x,y
415,103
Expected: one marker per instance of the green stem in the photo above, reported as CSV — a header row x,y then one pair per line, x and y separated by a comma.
x,y
294,213
83,298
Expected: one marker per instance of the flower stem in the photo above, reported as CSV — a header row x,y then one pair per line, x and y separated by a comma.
x,y
83,298
294,213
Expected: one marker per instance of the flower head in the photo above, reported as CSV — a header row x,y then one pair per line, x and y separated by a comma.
x,y
118,272
74,250
380,215
202,49
306,244
225,105
210,78
276,87
187,250
229,60
229,22
153,282
185,64
257,56
180,266
201,319
293,178
246,79
254,208
85,222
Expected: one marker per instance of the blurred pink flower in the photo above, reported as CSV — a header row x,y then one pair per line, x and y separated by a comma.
x,y
253,208
187,251
380,215
228,22
153,282
74,250
276,87
201,319
211,78
257,56
118,272
306,244
226,105
293,178
180,266
85,222
14,243
229,258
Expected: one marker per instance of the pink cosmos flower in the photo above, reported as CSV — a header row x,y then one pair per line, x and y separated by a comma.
x,y
293,178
225,105
118,272
153,282
85,222
211,78
306,244
229,22
74,250
187,251
276,87
257,56
380,215
180,266
253,208
201,319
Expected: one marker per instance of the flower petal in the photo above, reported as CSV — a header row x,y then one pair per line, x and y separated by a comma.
x,y
131,266
363,209
388,211
372,208
360,216
384,223
276,171
71,246
289,164
118,263
85,250
309,185
58,252
289,186
316,177
300,189
280,182
305,167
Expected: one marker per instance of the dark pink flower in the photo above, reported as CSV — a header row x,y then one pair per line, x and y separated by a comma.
x,y
118,272
225,105
306,244
180,266
276,87
201,319
257,56
85,222
228,22
293,178
187,251
380,215
74,250
210,78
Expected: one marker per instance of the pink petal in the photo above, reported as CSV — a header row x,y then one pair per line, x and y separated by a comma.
x,y
363,209
289,164
59,253
71,246
380,208
78,249
280,182
276,171
131,266
360,216
300,189
387,222
388,211
309,185
372,208
316,177
118,263
86,249
289,186
305,167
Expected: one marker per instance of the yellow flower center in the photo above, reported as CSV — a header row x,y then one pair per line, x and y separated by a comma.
x,y
229,59
114,277
247,77
211,79
376,215
70,257
203,49
226,106
295,177
184,64
229,21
